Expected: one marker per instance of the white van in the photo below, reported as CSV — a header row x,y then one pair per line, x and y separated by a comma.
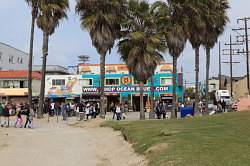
x,y
221,95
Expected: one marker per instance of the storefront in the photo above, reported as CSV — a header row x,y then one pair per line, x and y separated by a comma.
x,y
120,86
63,88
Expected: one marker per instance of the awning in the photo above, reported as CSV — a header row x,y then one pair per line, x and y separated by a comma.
x,y
167,68
67,96
13,91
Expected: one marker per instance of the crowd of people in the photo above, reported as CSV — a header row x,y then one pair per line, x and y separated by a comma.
x,y
82,110
8,109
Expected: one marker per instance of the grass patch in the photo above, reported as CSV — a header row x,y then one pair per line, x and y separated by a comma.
x,y
207,141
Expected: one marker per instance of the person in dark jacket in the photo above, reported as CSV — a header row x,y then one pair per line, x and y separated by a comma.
x,y
6,114
27,113
157,111
223,104
1,113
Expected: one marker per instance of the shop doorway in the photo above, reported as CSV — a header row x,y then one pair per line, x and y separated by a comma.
x,y
112,99
168,100
136,102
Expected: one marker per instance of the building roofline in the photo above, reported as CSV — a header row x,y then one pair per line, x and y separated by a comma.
x,y
51,65
117,64
35,75
13,48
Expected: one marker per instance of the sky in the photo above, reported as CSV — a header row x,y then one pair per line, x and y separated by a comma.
x,y
70,40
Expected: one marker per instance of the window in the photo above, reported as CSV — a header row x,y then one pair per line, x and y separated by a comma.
x,y
20,60
1,56
58,82
87,82
21,84
138,82
112,81
166,81
11,84
213,86
11,59
6,84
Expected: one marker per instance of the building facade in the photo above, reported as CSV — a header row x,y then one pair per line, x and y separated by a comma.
x,y
239,85
120,86
14,86
12,58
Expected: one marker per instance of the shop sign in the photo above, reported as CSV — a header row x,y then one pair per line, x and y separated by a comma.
x,y
126,89
126,80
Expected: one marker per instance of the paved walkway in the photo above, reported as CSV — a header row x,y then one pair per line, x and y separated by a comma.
x,y
52,144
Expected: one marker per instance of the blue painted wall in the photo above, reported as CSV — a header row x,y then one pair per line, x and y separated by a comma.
x,y
157,77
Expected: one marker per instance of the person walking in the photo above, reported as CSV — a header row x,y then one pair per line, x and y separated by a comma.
x,y
93,111
6,114
31,118
1,113
52,111
64,111
223,104
118,112
87,111
157,111
27,113
81,111
19,120
112,108
164,110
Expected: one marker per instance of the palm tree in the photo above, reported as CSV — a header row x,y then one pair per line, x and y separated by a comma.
x,y
195,31
102,19
141,44
34,10
171,22
51,12
216,19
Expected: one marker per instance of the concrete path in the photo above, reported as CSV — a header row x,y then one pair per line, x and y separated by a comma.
x,y
52,144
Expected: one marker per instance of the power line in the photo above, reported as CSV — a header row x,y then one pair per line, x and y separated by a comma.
x,y
230,44
245,39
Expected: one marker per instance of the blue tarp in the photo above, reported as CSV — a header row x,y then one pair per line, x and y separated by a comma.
x,y
186,111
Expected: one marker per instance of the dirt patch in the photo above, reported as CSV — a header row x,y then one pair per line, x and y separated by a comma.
x,y
157,148
93,123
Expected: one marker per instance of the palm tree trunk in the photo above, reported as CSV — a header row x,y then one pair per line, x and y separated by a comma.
x,y
102,78
31,60
152,113
43,71
142,113
207,77
173,114
197,69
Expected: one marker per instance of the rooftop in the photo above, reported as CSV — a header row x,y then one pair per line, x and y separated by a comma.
x,y
52,69
18,74
4,44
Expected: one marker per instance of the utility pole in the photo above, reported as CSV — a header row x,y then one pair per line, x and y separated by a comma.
x,y
219,67
83,59
245,38
230,44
